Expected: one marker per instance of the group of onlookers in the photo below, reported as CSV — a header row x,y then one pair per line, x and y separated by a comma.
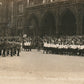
x,y
71,45
65,45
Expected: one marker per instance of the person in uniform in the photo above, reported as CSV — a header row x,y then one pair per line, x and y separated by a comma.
x,y
4,49
11,50
14,48
18,50
8,45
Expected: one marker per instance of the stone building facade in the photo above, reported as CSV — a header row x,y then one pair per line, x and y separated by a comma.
x,y
48,17
4,24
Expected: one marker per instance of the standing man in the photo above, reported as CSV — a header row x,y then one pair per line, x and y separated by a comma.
x,y
11,50
18,50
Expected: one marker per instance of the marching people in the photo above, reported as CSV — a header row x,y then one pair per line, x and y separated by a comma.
x,y
9,48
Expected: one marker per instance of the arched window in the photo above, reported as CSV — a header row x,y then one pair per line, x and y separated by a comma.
x,y
68,23
32,25
48,24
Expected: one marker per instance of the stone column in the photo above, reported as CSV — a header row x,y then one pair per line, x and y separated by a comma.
x,y
79,24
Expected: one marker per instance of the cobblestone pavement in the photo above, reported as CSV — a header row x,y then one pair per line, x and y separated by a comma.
x,y
38,68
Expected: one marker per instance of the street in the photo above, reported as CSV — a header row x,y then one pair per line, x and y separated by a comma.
x,y
38,68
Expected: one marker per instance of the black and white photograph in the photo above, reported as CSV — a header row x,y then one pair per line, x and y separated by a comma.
x,y
41,41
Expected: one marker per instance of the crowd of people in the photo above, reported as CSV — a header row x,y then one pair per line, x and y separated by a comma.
x,y
32,43
27,44
9,47
67,45
64,45
71,45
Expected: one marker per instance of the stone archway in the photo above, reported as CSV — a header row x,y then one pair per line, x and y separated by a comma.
x,y
32,25
48,24
68,23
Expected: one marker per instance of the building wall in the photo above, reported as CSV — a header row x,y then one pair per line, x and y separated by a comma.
x,y
3,17
30,14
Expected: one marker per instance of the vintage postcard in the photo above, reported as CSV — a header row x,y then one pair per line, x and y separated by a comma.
x,y
41,41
